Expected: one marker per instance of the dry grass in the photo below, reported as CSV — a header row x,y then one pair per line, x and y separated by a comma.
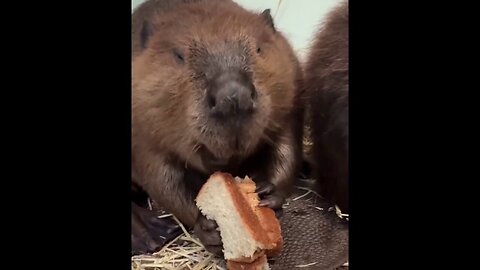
x,y
307,139
184,252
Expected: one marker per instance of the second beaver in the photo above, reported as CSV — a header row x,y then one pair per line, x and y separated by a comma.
x,y
214,88
326,82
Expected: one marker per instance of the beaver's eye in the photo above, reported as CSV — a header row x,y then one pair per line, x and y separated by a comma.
x,y
258,50
179,56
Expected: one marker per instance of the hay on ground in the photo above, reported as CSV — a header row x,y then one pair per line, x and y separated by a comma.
x,y
184,252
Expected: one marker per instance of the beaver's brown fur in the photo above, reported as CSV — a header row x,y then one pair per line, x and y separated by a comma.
x,y
176,142
326,82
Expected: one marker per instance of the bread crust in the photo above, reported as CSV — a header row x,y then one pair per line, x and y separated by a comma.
x,y
271,226
265,215
258,264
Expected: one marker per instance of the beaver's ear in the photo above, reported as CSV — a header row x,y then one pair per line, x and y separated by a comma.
x,y
267,17
145,34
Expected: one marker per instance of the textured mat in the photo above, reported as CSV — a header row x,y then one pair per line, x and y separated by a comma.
x,y
314,238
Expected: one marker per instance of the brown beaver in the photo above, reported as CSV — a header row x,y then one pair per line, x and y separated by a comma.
x,y
214,88
326,82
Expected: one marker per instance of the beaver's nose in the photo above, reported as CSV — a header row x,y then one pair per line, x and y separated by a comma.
x,y
231,93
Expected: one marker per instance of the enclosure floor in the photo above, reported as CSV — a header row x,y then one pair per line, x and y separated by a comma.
x,y
315,237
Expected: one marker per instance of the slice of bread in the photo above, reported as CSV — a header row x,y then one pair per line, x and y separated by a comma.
x,y
248,231
259,264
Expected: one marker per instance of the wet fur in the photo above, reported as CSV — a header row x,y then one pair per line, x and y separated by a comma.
x,y
326,82
175,146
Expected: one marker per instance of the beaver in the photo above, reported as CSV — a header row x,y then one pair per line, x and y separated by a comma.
x,y
214,88
326,84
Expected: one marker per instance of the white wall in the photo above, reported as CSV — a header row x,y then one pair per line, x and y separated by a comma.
x,y
297,19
